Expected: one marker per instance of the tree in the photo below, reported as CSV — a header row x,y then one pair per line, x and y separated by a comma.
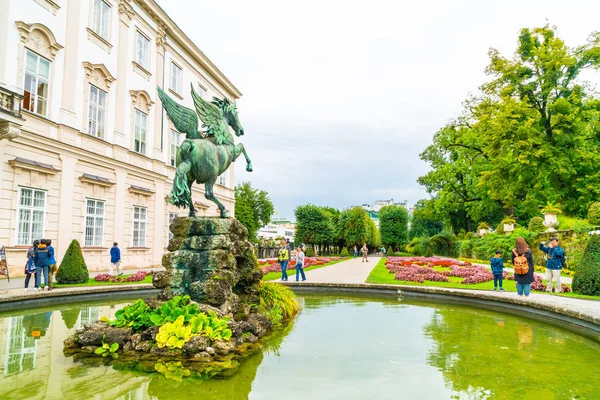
x,y
587,277
253,208
314,225
528,138
73,268
422,222
355,228
393,226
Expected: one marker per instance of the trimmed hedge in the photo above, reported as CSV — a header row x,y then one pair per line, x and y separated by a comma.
x,y
587,278
344,252
594,214
537,224
310,252
73,268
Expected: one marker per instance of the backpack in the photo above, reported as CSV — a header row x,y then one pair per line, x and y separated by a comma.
x,y
520,263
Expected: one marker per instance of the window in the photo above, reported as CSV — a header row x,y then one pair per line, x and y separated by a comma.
x,y
100,18
176,140
36,86
94,223
142,54
32,205
87,315
97,112
202,91
223,178
175,78
172,217
139,144
21,346
139,227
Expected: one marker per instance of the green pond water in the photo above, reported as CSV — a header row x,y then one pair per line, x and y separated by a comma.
x,y
340,347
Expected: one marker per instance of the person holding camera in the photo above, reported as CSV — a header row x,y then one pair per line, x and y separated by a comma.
x,y
554,263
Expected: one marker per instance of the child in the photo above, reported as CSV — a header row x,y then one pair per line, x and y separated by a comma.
x,y
30,266
497,269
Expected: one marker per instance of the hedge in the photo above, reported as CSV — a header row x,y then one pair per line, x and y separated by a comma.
x,y
587,278
537,224
594,214
72,268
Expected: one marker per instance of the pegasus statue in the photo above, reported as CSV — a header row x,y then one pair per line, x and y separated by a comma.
x,y
202,157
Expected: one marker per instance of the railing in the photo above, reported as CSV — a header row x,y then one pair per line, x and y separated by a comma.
x,y
10,102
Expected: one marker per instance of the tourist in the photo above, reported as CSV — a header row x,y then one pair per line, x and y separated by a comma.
x,y
30,265
300,264
355,251
497,270
115,259
42,262
365,253
523,264
383,251
284,258
554,263
52,268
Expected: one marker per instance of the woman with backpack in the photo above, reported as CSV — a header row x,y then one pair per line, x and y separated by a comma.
x,y
522,260
30,265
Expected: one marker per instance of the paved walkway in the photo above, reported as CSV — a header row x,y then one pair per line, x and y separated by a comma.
x,y
350,271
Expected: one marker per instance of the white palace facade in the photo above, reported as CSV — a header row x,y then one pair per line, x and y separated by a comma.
x,y
86,151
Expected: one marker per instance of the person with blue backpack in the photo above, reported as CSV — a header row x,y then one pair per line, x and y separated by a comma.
x,y
30,265
42,263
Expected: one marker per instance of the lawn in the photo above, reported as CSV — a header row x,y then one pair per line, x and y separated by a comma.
x,y
380,274
92,282
271,276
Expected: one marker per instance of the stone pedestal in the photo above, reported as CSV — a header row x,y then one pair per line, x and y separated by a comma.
x,y
211,260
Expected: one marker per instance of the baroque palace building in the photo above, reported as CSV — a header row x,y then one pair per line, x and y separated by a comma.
x,y
86,151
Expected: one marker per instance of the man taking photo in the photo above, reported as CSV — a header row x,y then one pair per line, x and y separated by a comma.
x,y
554,263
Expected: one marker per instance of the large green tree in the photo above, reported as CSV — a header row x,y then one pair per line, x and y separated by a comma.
x,y
393,226
355,227
253,208
314,225
531,136
423,222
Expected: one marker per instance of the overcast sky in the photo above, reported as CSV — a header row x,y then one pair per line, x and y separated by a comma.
x,y
341,96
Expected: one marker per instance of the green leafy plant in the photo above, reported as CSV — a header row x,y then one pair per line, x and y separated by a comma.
x,y
594,214
173,309
174,335
551,208
172,370
73,268
135,315
277,302
483,225
211,325
536,224
508,220
108,349
587,277
310,252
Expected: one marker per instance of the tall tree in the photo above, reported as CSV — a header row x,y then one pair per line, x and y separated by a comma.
x,y
423,222
393,226
355,227
253,208
314,225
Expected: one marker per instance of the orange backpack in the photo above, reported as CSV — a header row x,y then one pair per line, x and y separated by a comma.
x,y
520,263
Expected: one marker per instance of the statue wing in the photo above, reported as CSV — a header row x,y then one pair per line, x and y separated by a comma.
x,y
212,118
184,119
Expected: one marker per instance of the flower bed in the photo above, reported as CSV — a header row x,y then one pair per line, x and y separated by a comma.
x,y
137,277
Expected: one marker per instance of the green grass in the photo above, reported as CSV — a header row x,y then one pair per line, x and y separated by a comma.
x,y
380,274
271,276
92,282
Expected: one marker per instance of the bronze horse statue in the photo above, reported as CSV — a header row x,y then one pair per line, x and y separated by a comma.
x,y
203,157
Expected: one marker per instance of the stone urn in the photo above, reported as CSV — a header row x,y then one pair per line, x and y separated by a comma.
x,y
509,227
483,232
551,222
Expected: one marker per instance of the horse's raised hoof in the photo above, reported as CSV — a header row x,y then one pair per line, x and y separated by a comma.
x,y
249,167
224,214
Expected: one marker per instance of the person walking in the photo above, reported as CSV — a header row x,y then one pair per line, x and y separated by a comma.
x,y
30,265
42,262
522,261
365,252
115,259
52,267
554,263
355,251
497,269
284,258
300,264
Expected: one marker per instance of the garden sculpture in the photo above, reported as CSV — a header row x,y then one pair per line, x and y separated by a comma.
x,y
202,157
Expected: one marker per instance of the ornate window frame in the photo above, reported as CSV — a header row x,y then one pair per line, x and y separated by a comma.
x,y
141,101
99,76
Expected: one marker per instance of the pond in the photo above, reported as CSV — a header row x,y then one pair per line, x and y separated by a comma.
x,y
340,347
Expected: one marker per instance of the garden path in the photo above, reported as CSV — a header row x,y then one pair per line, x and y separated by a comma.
x,y
563,279
350,271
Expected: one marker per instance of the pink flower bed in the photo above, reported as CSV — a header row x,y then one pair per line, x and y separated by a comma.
x,y
137,277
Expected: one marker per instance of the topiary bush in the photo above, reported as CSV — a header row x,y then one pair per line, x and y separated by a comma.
x,y
536,224
344,252
587,278
310,252
594,214
72,268
500,229
429,252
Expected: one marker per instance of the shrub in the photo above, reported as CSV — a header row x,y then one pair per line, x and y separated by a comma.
x,y
344,252
72,268
70,316
429,252
508,220
310,252
483,225
594,214
537,224
587,278
500,229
